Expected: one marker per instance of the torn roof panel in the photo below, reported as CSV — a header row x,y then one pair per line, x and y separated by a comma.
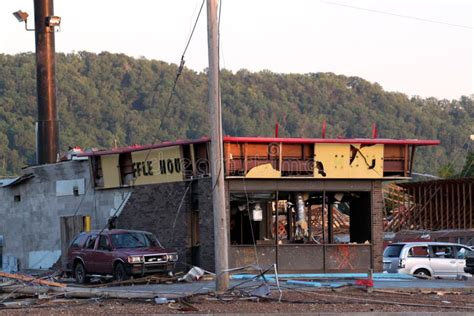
x,y
14,181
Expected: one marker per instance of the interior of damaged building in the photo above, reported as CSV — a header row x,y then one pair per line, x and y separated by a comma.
x,y
301,217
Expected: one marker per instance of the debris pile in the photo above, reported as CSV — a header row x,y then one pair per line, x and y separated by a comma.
x,y
254,291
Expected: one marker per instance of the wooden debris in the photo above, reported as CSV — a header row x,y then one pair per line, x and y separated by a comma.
x,y
27,278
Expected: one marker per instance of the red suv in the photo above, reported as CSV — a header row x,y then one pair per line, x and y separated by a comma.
x,y
118,252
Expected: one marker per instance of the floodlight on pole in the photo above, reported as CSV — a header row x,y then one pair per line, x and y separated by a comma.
x,y
22,16
52,22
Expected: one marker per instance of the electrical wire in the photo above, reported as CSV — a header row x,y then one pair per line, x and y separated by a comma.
x,y
251,226
178,74
398,15
179,208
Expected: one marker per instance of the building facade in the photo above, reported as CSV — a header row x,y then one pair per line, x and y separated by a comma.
x,y
309,205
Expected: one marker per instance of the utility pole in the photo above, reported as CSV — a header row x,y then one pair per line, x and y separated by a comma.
x,y
47,125
221,237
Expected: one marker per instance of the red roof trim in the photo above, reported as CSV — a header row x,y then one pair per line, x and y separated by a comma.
x,y
144,147
232,139
416,142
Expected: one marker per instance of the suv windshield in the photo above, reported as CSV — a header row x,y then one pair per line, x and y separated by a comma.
x,y
393,251
133,240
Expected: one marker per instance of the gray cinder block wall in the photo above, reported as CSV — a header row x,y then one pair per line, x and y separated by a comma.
x,y
30,211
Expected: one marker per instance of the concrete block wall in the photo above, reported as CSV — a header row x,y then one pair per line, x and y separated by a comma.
x,y
377,226
31,226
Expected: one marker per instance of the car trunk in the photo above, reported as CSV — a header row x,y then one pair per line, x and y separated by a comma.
x,y
391,258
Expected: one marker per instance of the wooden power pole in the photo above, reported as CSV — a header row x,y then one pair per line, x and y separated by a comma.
x,y
47,125
221,237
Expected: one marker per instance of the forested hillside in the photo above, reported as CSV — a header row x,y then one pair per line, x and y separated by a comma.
x,y
111,98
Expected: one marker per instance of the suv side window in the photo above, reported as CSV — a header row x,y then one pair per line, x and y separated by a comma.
x,y
461,252
103,243
91,242
418,251
443,251
78,242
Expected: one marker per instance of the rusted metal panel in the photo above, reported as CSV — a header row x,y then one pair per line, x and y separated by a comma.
x,y
301,258
305,258
240,256
259,185
348,258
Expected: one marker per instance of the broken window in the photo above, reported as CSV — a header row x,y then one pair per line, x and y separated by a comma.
x,y
103,243
90,243
300,217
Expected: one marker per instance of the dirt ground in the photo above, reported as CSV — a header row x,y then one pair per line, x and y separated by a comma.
x,y
292,301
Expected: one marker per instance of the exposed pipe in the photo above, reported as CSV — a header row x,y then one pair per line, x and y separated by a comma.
x,y
302,224
47,124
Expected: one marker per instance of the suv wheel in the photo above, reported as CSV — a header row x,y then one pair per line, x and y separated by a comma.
x,y
119,272
80,273
422,272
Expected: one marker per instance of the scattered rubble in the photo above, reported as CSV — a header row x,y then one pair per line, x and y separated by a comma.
x,y
248,294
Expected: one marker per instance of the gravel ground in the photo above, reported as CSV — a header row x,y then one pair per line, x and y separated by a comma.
x,y
293,301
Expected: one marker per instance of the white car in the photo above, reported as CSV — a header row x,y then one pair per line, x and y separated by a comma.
x,y
426,258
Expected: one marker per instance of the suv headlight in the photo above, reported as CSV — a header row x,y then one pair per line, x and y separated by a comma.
x,y
135,259
172,257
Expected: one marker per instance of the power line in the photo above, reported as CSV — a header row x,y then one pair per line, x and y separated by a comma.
x,y
398,15
178,74
182,62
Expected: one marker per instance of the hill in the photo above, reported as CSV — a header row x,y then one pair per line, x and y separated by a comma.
x,y
106,99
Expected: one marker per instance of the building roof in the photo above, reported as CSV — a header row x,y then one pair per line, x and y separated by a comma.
x,y
14,181
234,139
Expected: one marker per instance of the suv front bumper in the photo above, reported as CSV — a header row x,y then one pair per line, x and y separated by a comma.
x,y
142,269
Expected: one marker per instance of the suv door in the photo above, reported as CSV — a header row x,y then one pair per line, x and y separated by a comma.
x,y
461,258
443,261
104,256
417,259
88,254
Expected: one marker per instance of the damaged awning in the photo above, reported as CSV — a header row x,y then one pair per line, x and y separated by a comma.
x,y
7,182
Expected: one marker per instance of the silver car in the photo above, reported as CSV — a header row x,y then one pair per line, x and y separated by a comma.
x,y
425,258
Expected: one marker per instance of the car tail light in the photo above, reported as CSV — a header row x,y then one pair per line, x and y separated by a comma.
x,y
135,259
401,263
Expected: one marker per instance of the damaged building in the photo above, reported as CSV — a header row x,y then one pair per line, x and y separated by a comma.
x,y
312,205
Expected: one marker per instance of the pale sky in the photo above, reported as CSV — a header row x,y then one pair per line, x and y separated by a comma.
x,y
412,56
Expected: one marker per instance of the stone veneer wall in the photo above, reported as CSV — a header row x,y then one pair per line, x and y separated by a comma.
x,y
156,208
377,226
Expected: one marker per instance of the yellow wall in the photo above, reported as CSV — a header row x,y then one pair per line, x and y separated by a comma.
x,y
335,161
161,165
110,170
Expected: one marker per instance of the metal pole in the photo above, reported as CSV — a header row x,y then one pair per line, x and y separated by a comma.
x,y
47,125
221,236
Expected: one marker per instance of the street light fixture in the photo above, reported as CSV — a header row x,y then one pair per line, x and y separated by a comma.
x,y
22,17
52,21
